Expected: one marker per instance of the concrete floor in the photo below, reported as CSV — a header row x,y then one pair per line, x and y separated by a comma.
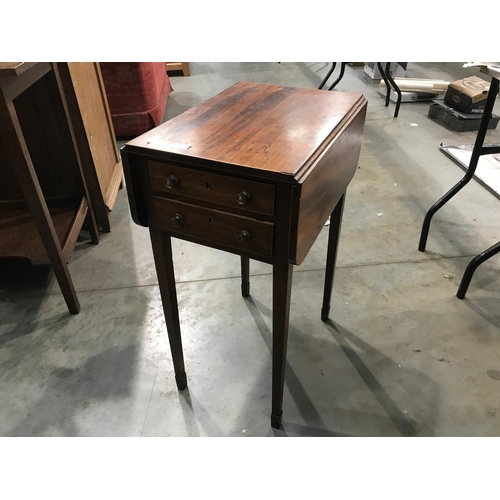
x,y
402,357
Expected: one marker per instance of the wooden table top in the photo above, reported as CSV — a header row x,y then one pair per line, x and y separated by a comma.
x,y
260,126
14,68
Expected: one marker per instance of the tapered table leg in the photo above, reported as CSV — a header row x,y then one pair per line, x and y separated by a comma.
x,y
245,276
331,256
20,158
162,251
282,287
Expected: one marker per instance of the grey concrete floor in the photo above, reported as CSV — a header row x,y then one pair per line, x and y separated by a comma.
x,y
402,355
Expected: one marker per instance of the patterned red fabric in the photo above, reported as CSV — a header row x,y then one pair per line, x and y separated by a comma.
x,y
137,95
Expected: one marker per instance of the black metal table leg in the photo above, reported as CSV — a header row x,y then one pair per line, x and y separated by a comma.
x,y
341,75
473,264
476,153
328,75
389,82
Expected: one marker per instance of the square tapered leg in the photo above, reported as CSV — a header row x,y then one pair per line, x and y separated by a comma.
x,y
162,251
282,288
331,257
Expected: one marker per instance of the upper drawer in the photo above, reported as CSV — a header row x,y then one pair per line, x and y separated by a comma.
x,y
224,190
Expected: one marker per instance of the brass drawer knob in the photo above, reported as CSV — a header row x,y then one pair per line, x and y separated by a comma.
x,y
243,197
171,181
177,220
244,237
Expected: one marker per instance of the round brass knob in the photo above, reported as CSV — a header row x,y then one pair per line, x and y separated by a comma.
x,y
171,181
243,197
244,237
177,220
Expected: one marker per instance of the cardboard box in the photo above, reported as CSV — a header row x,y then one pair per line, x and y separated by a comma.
x,y
467,94
396,69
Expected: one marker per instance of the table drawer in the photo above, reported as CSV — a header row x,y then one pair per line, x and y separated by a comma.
x,y
224,190
241,233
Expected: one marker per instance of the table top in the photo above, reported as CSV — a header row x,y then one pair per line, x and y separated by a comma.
x,y
14,68
260,126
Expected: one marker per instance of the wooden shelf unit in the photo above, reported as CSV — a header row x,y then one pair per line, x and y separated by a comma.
x,y
19,236
44,199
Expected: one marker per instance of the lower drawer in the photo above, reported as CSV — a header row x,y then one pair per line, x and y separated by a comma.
x,y
214,226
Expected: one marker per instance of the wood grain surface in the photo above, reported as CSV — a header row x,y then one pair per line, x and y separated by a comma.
x,y
215,226
214,188
259,126
14,68
325,183
93,104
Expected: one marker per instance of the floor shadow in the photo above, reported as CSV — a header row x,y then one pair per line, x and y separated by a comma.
x,y
194,412
315,72
19,275
178,102
59,370
302,400
486,308
102,377
404,426
290,428
22,329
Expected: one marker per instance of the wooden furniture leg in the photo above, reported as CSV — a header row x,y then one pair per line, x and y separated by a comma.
x,y
331,256
185,69
245,276
28,182
282,287
162,251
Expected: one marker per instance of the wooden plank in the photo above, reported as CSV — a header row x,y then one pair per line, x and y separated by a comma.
x,y
100,138
102,90
19,236
173,66
178,66
14,86
103,168
14,68
77,222
61,73
87,160
114,186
